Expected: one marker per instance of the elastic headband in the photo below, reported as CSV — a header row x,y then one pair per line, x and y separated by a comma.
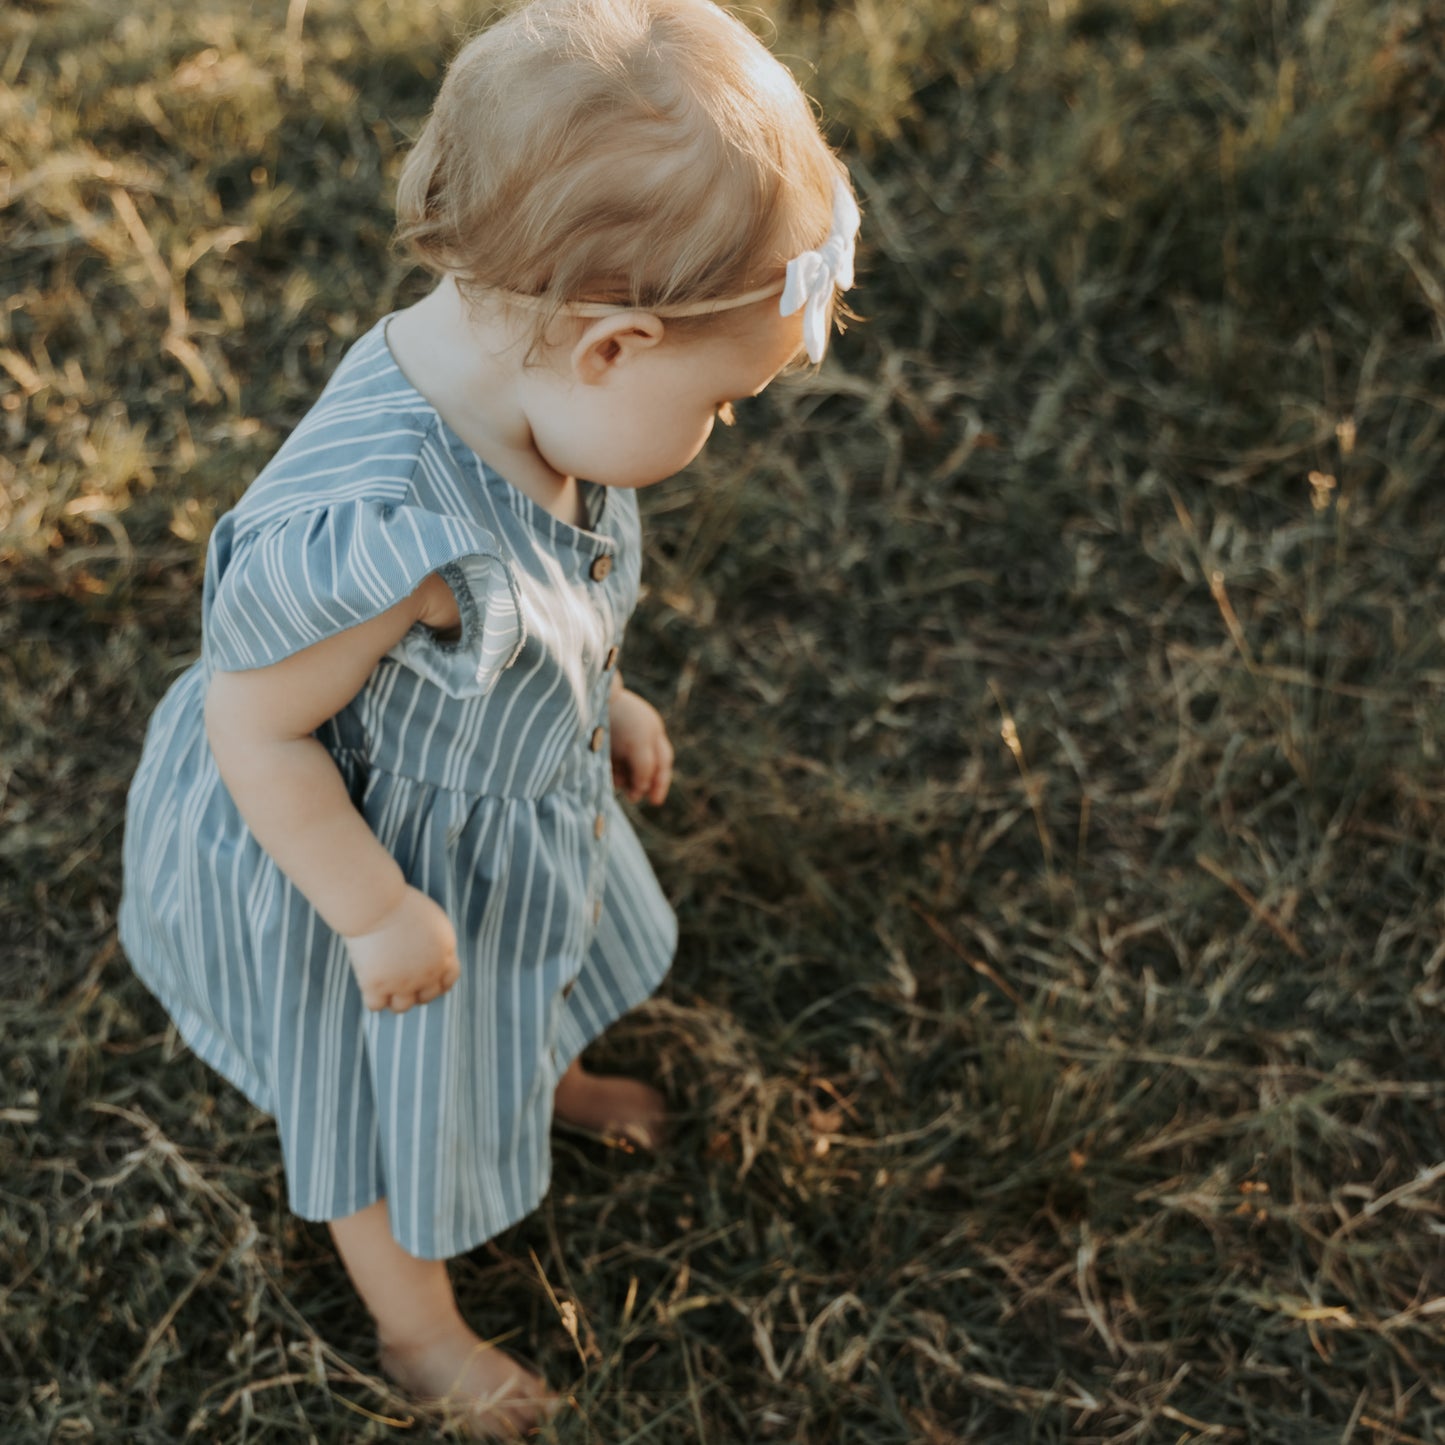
x,y
611,308
808,286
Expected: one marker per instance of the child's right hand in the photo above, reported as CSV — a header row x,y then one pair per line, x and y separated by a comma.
x,y
410,957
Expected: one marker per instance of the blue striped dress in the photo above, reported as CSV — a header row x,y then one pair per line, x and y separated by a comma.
x,y
482,765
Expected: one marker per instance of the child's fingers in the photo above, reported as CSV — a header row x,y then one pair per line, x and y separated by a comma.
x,y
646,776
662,776
402,1001
644,779
441,986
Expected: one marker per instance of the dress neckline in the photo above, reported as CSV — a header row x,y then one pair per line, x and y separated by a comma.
x,y
594,495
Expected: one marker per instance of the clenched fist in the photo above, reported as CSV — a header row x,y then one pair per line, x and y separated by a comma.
x,y
410,957
641,749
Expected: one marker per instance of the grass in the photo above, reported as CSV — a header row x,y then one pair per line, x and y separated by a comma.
x,y
1058,681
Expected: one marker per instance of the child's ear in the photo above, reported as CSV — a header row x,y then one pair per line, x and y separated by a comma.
x,y
612,341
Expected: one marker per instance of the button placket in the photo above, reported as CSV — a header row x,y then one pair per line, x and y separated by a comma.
x,y
598,880
597,871
599,570
597,737
595,741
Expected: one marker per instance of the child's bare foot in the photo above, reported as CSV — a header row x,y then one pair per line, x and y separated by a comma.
x,y
625,1109
480,1388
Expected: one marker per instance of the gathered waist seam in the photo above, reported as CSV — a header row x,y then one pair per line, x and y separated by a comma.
x,y
363,761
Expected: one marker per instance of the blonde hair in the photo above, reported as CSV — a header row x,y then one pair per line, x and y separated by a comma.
x,y
646,153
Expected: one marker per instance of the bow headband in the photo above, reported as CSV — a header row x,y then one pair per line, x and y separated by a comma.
x,y
813,276
808,284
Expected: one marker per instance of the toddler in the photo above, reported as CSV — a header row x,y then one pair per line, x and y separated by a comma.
x,y
374,868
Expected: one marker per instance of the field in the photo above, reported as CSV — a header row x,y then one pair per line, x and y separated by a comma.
x,y
1058,680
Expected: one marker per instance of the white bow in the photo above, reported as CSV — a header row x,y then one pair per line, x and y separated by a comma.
x,y
813,276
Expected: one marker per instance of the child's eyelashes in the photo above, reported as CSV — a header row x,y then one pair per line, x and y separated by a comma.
x,y
725,413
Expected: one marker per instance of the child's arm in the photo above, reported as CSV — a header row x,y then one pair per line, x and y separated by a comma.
x,y
287,788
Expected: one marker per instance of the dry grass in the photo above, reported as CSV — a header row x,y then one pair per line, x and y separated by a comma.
x,y
1058,687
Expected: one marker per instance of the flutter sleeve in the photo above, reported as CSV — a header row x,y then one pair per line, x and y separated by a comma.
x,y
274,590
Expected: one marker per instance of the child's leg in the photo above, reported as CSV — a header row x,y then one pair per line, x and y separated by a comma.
x,y
626,1107
426,1345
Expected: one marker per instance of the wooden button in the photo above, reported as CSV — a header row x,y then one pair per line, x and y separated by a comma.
x,y
601,566
600,826
568,987
597,735
611,659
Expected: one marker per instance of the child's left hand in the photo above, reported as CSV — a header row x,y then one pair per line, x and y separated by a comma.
x,y
641,752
